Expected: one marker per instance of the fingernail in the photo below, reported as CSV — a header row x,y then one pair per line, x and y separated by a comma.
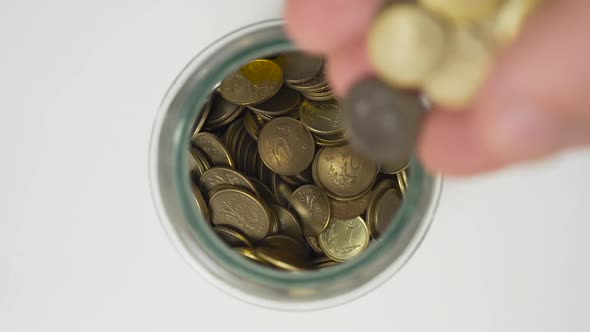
x,y
523,132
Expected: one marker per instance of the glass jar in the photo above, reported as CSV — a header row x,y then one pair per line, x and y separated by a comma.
x,y
196,240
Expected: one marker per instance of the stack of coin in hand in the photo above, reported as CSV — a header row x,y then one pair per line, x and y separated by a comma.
x,y
444,47
272,170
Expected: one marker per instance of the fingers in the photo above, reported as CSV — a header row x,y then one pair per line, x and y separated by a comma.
x,y
348,65
536,102
325,25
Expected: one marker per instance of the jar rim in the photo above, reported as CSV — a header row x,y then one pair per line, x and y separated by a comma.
x,y
196,241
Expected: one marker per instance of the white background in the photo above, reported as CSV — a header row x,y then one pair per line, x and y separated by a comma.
x,y
81,248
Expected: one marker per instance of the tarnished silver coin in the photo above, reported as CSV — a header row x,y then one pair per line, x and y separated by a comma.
x,y
383,122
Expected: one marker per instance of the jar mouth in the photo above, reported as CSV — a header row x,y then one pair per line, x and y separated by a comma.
x,y
196,240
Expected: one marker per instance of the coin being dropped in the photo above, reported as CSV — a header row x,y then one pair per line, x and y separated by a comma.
x,y
344,239
254,83
313,207
454,83
241,210
383,122
406,43
213,149
286,146
299,67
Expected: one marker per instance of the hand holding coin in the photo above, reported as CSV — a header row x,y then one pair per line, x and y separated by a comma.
x,y
517,66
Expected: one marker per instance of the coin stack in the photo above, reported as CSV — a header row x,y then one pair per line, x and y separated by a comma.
x,y
444,47
273,173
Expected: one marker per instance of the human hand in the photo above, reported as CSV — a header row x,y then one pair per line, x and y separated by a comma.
x,y
535,103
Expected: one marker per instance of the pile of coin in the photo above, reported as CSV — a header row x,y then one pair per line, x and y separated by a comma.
x,y
444,47
273,173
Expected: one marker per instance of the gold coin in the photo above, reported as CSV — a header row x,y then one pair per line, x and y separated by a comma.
x,y
344,239
252,125
463,10
299,67
200,202
221,111
387,206
288,223
350,209
389,167
250,254
402,180
456,80
222,175
319,97
327,264
212,147
286,146
283,252
335,140
232,237
198,163
281,103
321,260
314,244
313,207
324,118
255,82
263,191
318,82
241,210
202,116
510,17
405,44
378,190
343,172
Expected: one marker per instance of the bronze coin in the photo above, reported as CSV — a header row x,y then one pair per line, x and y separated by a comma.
x,y
241,210
221,175
299,67
343,172
212,147
288,223
324,118
344,239
281,103
385,210
255,82
350,209
382,122
313,207
286,146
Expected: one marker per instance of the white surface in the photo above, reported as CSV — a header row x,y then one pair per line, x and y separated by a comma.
x,y
81,248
